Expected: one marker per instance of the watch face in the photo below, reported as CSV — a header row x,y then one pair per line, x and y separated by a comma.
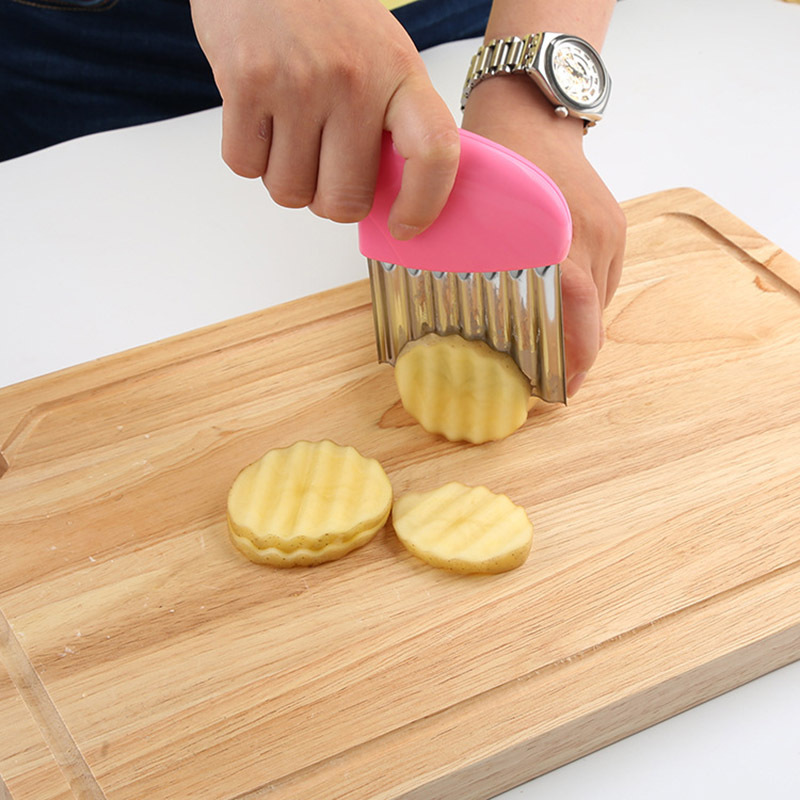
x,y
577,72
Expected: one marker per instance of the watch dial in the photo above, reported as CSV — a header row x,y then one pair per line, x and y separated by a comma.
x,y
577,72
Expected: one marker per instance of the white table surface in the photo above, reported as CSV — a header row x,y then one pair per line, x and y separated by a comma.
x,y
127,237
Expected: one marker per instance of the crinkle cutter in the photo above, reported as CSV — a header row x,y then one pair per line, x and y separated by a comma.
x,y
488,268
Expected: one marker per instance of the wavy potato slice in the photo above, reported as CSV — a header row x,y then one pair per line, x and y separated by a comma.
x,y
463,529
307,503
462,389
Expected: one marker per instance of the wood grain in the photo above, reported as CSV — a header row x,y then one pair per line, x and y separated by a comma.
x,y
29,769
665,567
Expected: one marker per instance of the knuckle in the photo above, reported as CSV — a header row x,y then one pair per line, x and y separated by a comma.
x,y
351,83
580,291
289,194
303,82
250,73
243,150
241,163
441,146
348,72
405,59
346,205
242,168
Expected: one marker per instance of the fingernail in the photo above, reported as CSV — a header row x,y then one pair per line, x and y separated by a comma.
x,y
404,232
576,383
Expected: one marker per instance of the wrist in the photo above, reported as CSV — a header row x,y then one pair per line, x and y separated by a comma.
x,y
513,105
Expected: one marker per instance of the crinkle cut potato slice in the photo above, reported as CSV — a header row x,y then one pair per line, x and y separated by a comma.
x,y
307,503
462,389
463,529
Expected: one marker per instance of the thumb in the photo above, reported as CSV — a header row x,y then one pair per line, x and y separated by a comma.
x,y
426,135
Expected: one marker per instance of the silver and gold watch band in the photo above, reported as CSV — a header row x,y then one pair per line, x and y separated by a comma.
x,y
548,59
500,57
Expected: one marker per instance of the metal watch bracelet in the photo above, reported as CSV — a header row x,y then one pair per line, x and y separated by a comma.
x,y
500,56
516,56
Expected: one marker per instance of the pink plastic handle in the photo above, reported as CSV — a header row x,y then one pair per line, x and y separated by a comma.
x,y
503,213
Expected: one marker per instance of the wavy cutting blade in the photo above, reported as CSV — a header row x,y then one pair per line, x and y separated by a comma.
x,y
516,312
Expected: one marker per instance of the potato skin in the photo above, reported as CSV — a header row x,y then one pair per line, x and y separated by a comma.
x,y
306,504
463,529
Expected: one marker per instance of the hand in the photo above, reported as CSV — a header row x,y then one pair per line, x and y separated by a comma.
x,y
308,88
512,111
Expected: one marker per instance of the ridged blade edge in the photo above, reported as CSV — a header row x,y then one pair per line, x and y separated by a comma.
x,y
518,312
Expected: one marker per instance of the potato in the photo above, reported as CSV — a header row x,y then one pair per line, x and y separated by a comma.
x,y
462,389
463,529
307,503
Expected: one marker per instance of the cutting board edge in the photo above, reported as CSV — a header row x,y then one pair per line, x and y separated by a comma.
x,y
526,755
16,409
574,740
258,317
726,228
15,404
56,744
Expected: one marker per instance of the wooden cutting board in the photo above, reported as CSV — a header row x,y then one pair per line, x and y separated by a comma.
x,y
145,658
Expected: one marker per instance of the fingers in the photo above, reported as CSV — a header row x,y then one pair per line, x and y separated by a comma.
x,y
599,244
425,134
332,166
613,278
348,167
246,138
618,227
588,282
305,109
292,163
590,277
582,323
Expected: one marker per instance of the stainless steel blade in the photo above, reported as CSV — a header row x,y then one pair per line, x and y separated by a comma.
x,y
516,312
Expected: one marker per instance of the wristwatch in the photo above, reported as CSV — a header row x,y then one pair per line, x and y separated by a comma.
x,y
568,70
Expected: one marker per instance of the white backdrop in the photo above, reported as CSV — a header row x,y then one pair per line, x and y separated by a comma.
x,y
127,237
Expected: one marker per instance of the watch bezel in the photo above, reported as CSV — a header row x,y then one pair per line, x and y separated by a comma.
x,y
543,65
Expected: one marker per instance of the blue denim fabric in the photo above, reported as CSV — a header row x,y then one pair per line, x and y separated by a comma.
x,y
432,22
73,67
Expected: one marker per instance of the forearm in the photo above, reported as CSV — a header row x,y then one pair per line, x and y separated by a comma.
x,y
512,110
494,99
588,19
